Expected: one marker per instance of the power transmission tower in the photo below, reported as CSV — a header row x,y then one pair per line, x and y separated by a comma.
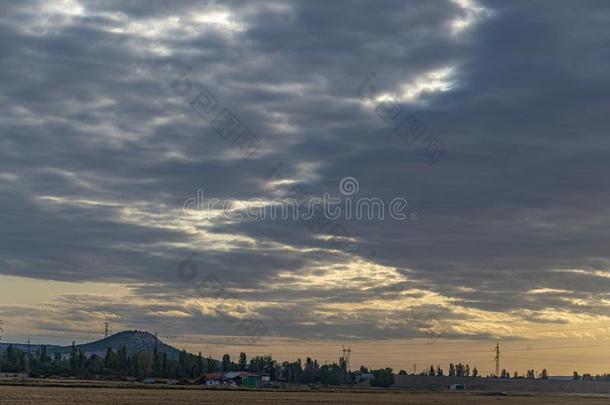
x,y
346,354
106,329
497,358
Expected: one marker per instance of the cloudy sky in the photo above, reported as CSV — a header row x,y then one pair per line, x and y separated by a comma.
x,y
114,114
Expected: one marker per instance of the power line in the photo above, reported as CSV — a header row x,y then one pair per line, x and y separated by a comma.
x,y
364,351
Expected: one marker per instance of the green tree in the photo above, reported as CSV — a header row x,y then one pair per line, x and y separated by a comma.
x,y
243,361
382,378
43,357
310,371
73,357
110,360
226,362
156,362
122,359
459,370
332,374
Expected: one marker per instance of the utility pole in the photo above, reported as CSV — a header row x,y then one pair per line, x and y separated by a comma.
x,y
106,329
414,369
497,358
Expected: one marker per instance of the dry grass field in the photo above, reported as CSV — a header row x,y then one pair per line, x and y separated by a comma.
x,y
152,396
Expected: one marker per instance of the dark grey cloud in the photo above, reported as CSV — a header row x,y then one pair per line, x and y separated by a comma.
x,y
99,154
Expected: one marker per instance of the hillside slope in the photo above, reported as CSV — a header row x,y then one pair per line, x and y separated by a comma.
x,y
134,340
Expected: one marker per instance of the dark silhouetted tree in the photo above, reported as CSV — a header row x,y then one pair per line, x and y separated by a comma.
x,y
243,361
382,378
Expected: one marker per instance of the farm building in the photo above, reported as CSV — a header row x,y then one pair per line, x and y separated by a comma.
x,y
211,379
246,378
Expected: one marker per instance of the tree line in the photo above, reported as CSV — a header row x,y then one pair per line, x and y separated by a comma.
x,y
589,377
119,363
122,364
461,370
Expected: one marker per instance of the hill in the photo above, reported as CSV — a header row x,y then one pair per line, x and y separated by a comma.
x,y
134,340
